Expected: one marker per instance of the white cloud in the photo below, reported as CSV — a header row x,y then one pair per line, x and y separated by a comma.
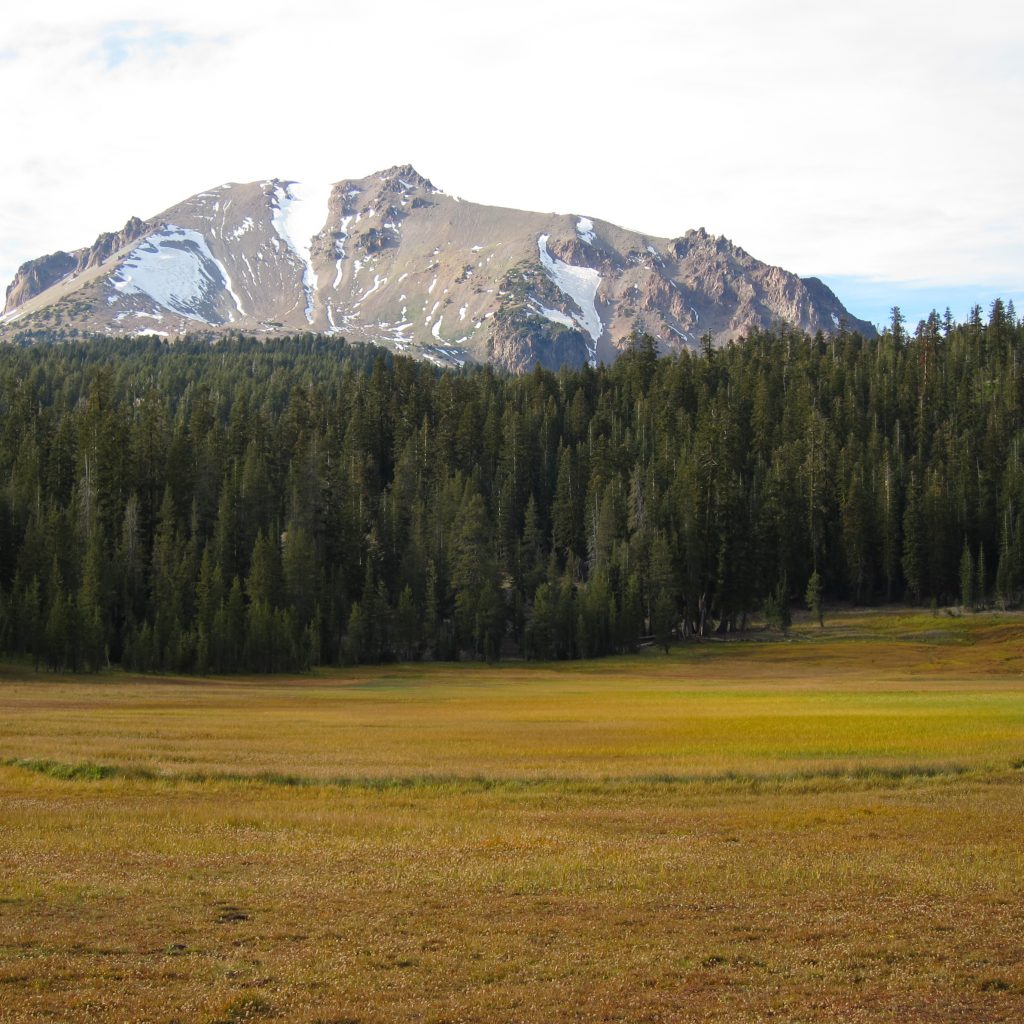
x,y
879,140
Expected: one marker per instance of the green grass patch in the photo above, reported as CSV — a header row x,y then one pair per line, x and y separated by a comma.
x,y
830,778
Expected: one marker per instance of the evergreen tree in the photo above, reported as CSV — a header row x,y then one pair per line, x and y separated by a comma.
x,y
92,601
357,640
479,612
61,634
914,556
777,607
813,598
967,577
300,575
542,625
407,626
1006,568
664,619
565,508
631,616
33,622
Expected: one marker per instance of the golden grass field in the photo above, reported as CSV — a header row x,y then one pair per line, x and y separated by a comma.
x,y
825,829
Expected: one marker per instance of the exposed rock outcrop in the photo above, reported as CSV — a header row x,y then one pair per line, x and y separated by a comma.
x,y
38,275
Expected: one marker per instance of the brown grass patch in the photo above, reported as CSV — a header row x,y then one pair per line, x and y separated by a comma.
x,y
827,830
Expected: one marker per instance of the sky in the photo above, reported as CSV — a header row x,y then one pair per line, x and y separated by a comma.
x,y
877,146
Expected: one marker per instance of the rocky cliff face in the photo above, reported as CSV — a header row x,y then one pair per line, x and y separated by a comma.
x,y
391,259
36,276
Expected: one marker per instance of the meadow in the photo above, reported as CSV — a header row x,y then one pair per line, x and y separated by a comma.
x,y
824,828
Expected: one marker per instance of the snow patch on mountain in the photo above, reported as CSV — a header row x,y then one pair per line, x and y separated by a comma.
x,y
242,228
175,268
229,286
554,315
580,284
378,282
585,229
340,247
300,213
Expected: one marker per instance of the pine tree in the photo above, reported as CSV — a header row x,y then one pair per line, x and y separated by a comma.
x,y
888,519
596,616
858,537
33,622
531,555
61,637
566,620
232,628
1006,574
432,636
664,619
264,582
92,601
967,577
209,597
166,599
777,608
980,579
357,645
479,614
631,615
407,626
913,541
813,598
540,629
301,574
564,508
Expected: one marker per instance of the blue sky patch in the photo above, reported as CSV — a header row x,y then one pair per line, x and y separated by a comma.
x,y
873,300
130,40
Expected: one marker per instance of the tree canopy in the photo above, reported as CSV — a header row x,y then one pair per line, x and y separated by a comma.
x,y
266,506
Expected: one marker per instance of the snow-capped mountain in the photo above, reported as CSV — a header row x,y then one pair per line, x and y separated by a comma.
x,y
391,259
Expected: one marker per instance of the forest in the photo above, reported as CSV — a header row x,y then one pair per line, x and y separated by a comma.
x,y
272,505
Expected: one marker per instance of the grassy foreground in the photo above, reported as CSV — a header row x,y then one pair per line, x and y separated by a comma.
x,y
829,829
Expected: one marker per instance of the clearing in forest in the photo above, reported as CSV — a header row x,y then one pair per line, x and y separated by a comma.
x,y
829,828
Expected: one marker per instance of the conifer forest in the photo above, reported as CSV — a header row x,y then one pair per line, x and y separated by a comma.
x,y
269,506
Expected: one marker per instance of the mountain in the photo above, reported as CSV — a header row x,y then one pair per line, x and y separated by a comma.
x,y
391,259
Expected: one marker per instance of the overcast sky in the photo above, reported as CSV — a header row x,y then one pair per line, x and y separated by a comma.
x,y
877,145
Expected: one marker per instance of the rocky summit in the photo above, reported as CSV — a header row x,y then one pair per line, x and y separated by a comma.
x,y
393,260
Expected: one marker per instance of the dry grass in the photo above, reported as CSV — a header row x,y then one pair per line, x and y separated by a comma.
x,y
824,830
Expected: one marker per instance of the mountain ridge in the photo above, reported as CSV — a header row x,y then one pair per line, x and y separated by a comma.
x,y
392,259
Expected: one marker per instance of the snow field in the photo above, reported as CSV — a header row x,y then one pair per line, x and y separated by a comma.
x,y
580,284
300,214
175,268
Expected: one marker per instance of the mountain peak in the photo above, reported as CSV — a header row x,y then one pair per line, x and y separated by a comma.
x,y
390,259
407,174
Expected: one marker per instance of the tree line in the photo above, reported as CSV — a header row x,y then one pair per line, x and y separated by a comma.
x,y
272,505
